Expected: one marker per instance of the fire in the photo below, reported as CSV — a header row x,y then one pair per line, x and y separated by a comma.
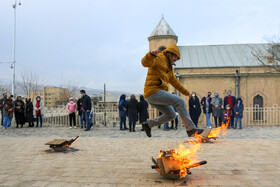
x,y
220,131
185,157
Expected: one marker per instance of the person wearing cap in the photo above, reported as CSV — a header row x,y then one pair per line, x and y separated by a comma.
x,y
216,103
72,109
160,73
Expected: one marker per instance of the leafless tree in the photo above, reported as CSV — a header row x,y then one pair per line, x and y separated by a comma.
x,y
270,56
5,90
30,81
70,91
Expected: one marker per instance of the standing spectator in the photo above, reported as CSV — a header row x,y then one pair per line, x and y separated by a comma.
x,y
8,111
207,108
195,109
143,111
86,108
175,120
79,108
230,100
38,111
2,101
216,103
166,126
29,112
132,111
122,112
238,112
19,111
72,109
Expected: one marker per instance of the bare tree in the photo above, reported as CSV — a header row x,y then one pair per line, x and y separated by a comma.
x,y
30,81
70,91
270,56
5,90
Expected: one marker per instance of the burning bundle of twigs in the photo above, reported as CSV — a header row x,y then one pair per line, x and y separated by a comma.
x,y
61,144
176,163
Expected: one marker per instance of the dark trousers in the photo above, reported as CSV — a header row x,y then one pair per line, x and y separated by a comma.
x,y
176,123
122,122
1,117
232,121
72,117
37,120
220,121
132,126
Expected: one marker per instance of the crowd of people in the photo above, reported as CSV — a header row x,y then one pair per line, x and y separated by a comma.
x,y
24,112
228,109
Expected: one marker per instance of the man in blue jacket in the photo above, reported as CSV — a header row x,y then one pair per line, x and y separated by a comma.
x,y
86,108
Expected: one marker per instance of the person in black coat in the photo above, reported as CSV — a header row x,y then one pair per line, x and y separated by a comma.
x,y
19,111
143,110
207,108
29,112
230,100
132,111
86,108
195,109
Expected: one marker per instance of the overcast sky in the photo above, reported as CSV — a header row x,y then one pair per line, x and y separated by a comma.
x,y
89,42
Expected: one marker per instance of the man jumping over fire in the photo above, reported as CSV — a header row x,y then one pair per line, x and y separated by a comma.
x,y
160,73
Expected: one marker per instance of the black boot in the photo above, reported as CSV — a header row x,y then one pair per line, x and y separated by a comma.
x,y
194,131
147,129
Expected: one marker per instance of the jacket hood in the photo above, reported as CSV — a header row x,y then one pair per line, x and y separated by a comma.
x,y
71,98
122,97
174,49
239,98
141,98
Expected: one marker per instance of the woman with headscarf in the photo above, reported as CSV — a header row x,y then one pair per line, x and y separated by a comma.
x,y
132,112
122,112
195,110
19,111
143,111
29,112
216,103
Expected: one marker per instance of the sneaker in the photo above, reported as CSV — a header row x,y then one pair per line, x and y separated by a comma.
x,y
192,132
75,127
147,129
70,127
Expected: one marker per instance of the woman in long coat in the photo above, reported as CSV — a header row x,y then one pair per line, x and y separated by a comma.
x,y
19,111
29,112
132,111
38,111
216,103
143,111
195,109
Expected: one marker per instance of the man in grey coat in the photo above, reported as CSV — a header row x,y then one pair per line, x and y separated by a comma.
x,y
216,103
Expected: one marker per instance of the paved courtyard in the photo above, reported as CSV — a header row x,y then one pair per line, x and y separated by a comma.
x,y
106,156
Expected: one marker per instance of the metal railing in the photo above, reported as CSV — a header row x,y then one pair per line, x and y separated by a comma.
x,y
269,116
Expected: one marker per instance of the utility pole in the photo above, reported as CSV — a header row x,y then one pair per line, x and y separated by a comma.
x,y
104,96
13,65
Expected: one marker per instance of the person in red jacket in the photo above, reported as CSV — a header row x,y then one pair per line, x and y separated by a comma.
x,y
72,109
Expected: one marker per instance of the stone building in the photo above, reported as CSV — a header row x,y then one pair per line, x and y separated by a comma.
x,y
51,96
204,68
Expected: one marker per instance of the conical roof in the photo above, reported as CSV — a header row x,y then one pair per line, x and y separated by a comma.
x,y
163,28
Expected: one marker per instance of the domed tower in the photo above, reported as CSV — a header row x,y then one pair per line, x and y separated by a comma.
x,y
162,36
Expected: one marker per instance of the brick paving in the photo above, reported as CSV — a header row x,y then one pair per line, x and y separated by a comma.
x,y
109,157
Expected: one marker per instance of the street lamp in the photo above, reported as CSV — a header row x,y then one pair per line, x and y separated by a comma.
x,y
13,64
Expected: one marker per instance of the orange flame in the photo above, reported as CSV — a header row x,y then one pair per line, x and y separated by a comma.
x,y
187,156
220,131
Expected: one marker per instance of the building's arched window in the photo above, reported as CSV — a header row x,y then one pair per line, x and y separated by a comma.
x,y
161,48
258,107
